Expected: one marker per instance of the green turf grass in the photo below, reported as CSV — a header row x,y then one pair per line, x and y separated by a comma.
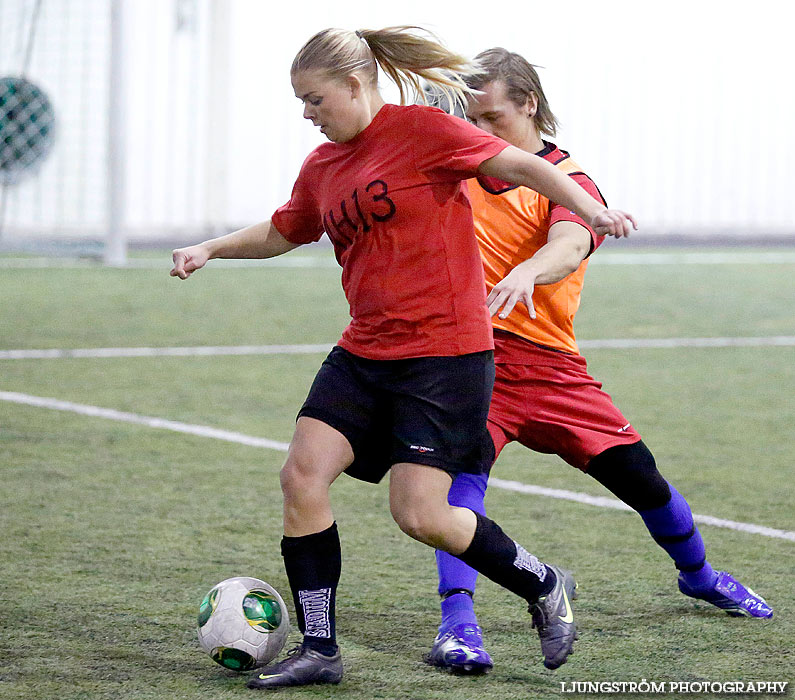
x,y
112,533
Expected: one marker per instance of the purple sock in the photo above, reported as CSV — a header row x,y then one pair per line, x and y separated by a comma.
x,y
672,527
456,609
467,491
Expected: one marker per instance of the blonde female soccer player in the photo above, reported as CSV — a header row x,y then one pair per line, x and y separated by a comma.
x,y
407,387
535,252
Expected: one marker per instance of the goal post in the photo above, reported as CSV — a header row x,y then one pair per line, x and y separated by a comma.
x,y
115,252
139,137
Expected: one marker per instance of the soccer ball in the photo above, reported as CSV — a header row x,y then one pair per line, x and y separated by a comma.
x,y
243,623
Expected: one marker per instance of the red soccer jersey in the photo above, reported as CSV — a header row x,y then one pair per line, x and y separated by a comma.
x,y
392,203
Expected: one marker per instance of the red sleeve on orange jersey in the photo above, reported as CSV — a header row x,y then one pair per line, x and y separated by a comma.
x,y
561,213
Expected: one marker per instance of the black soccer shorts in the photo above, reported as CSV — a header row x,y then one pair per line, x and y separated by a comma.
x,y
424,410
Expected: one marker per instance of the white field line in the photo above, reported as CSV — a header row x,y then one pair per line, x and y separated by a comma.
x,y
726,342
780,257
606,502
777,257
111,414
166,352
164,263
229,436
214,350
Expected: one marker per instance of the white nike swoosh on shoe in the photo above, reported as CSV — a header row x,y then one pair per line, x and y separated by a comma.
x,y
569,616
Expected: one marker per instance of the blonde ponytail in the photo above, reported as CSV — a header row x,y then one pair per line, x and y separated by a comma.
x,y
407,54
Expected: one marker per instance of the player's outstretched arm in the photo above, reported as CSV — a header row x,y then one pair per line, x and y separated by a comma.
x,y
261,240
567,245
522,168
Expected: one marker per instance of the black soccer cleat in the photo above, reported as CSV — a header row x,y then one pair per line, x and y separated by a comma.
x,y
302,666
554,620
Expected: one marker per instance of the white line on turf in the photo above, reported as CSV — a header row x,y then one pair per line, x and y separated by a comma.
x,y
165,352
240,438
773,257
778,257
605,502
124,417
164,263
728,342
214,350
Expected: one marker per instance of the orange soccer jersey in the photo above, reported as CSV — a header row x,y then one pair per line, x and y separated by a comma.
x,y
511,224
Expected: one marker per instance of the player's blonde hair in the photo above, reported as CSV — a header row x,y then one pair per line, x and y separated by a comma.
x,y
521,80
407,54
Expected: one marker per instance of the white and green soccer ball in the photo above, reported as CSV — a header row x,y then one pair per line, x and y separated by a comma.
x,y
243,623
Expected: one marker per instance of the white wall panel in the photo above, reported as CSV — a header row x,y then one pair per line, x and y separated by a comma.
x,y
683,113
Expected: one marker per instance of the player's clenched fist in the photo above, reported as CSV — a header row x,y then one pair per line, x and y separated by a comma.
x,y
188,260
613,222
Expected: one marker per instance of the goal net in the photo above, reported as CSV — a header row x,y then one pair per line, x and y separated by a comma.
x,y
76,185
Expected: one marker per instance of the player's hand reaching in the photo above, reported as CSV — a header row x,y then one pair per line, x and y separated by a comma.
x,y
516,286
188,260
613,222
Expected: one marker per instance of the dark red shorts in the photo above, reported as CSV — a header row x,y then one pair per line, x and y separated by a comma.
x,y
547,401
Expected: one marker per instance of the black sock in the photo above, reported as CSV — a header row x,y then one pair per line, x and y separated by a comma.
x,y
507,563
313,564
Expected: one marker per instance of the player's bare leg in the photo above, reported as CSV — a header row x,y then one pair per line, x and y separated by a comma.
x,y
311,549
318,454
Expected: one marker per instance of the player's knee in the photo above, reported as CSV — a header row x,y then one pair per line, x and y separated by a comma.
x,y
289,479
407,519
631,473
418,522
299,476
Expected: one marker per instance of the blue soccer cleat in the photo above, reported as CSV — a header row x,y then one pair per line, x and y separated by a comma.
x,y
730,595
459,649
